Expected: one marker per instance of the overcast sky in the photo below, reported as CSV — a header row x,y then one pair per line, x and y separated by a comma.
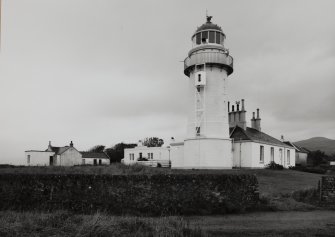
x,y
104,71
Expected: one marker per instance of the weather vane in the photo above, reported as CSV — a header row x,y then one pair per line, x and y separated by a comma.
x,y
209,18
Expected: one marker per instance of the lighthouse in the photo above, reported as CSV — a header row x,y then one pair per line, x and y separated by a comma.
x,y
208,64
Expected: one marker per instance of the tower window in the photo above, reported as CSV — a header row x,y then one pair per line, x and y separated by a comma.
x,y
198,38
197,130
199,77
211,37
204,36
217,38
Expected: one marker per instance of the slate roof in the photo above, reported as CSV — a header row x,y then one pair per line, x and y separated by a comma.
x,y
97,155
251,134
58,150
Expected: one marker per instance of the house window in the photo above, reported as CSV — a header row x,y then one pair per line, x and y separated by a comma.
x,y
140,155
199,77
281,155
148,155
28,159
261,154
288,156
95,162
100,162
152,155
272,154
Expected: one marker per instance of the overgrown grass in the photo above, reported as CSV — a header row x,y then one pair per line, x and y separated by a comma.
x,y
65,224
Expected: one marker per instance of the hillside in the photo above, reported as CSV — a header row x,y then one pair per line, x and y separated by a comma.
x,y
318,143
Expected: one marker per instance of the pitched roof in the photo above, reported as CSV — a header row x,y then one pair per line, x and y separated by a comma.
x,y
251,134
58,150
98,155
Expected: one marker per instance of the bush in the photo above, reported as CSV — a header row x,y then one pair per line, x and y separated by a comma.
x,y
315,170
274,166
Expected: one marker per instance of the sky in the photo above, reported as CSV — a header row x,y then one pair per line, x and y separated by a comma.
x,y
109,71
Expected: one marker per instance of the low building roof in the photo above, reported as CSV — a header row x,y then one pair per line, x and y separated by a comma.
x,y
251,134
96,155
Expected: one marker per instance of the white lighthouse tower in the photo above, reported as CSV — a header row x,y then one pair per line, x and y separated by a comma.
x,y
208,65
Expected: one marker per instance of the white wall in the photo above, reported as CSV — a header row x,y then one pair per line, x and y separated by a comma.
x,y
301,158
208,153
248,155
69,157
38,158
177,155
159,153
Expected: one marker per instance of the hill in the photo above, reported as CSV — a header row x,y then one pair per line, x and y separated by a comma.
x,y
318,143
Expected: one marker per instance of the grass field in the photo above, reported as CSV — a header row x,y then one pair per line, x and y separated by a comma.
x,y
316,223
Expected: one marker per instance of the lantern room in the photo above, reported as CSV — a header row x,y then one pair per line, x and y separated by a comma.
x,y
208,33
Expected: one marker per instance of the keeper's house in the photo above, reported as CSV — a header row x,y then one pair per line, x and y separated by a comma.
x,y
64,156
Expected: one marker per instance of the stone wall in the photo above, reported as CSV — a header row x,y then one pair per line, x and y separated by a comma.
x,y
160,194
327,191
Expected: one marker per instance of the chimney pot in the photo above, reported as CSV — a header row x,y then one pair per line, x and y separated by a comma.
x,y
228,106
253,115
258,113
232,108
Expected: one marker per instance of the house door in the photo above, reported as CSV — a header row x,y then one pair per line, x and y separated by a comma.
x,y
95,161
51,160
100,162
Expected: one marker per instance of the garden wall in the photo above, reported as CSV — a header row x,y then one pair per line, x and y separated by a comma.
x,y
161,194
327,191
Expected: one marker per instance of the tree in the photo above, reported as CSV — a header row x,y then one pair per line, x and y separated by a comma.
x,y
116,153
97,148
316,157
153,142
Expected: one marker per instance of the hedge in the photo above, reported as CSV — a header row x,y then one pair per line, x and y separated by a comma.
x,y
161,194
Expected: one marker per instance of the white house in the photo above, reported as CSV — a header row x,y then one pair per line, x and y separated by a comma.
x,y
150,156
95,158
64,156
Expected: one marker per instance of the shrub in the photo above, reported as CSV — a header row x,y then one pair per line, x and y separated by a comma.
x,y
274,166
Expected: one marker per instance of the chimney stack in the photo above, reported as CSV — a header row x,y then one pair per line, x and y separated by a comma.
x,y
242,104
71,144
258,121
282,138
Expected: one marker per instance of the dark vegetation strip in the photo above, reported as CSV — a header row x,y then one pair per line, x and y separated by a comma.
x,y
159,194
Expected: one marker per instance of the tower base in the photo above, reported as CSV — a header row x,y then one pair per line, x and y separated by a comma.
x,y
207,153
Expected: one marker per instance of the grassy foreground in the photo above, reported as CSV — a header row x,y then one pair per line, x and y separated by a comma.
x,y
316,223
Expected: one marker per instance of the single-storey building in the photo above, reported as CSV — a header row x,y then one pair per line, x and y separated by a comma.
x,y
64,156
